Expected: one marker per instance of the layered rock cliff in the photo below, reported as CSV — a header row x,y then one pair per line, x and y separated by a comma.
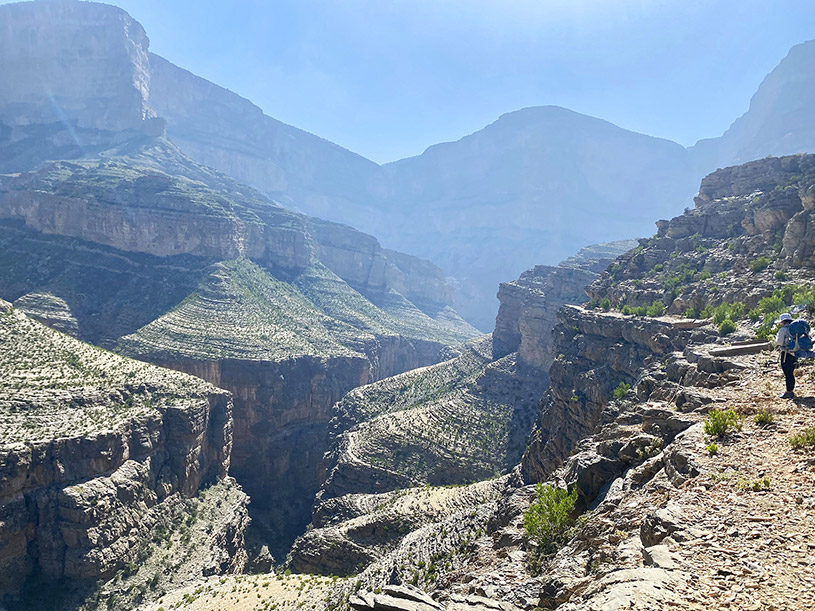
x,y
529,305
149,253
92,447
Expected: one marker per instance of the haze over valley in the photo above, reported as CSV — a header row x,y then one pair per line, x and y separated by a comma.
x,y
244,367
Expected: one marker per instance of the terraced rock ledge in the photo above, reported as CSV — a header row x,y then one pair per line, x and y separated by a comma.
x,y
94,447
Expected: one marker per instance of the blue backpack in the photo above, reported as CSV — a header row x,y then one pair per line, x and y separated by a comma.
x,y
799,336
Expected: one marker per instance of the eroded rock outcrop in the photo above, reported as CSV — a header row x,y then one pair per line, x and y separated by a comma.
x,y
91,446
529,305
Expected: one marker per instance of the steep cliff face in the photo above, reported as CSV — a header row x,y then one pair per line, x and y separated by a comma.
x,y
778,122
597,353
91,447
79,62
222,130
529,305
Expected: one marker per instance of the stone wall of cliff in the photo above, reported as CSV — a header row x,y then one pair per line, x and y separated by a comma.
x,y
529,305
91,446
79,62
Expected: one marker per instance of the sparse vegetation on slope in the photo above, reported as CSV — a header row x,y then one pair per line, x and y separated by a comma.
x,y
241,312
53,386
455,422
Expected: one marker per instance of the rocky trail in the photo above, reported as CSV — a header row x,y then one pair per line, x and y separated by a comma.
x,y
735,533
754,548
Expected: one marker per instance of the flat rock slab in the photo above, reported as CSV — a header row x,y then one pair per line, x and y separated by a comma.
x,y
690,323
366,601
410,593
753,348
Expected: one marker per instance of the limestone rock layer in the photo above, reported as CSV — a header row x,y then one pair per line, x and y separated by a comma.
x,y
91,445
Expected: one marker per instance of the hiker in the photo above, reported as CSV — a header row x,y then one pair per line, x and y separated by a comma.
x,y
795,343
788,359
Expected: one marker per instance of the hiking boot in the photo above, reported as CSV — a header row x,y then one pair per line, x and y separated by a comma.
x,y
788,395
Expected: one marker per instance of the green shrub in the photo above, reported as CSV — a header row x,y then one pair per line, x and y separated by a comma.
x,y
759,263
806,298
755,485
605,304
706,312
727,327
549,517
733,311
621,390
657,268
721,422
763,417
781,276
712,449
768,305
736,310
704,275
625,310
804,439
766,331
657,308
690,313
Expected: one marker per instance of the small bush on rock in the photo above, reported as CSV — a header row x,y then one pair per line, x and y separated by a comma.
x,y
721,422
806,439
549,517
755,485
726,327
763,417
759,263
621,390
656,309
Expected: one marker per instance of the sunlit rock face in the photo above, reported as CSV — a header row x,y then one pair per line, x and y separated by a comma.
x,y
529,305
72,62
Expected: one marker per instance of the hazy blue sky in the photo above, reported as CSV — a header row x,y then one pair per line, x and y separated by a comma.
x,y
388,78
